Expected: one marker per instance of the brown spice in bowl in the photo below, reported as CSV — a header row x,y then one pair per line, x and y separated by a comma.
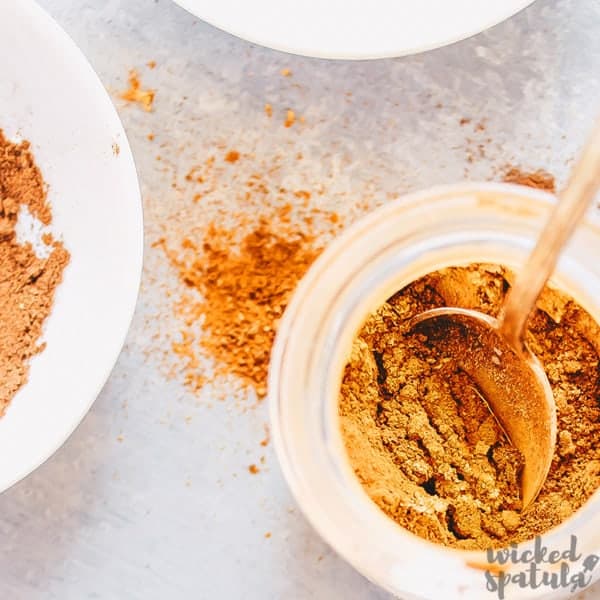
x,y
27,282
422,440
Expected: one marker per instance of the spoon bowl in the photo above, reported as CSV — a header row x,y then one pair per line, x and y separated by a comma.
x,y
493,351
511,381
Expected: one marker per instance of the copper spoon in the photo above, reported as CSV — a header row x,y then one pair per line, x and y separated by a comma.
x,y
493,350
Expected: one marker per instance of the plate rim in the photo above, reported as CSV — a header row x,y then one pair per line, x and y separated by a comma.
x,y
346,55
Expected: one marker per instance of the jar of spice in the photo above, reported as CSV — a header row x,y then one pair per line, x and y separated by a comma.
x,y
384,252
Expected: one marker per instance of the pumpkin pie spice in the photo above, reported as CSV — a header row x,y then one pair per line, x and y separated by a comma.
x,y
238,290
421,438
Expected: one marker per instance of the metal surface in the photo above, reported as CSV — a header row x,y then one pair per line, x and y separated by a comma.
x,y
151,497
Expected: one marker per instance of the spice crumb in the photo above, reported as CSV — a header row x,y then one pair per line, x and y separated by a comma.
x,y
421,438
566,446
268,110
304,194
253,469
135,93
290,118
539,179
286,72
151,64
232,156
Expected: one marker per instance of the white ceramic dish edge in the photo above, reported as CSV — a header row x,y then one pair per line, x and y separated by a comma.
x,y
78,141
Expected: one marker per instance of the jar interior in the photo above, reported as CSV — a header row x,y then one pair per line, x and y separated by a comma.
x,y
398,463
381,255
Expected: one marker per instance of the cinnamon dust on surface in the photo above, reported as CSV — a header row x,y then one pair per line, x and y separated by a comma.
x,y
28,282
238,289
248,226
135,93
421,438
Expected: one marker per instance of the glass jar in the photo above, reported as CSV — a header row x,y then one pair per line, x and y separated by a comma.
x,y
383,252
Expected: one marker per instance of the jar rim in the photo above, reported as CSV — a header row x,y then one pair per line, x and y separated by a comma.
x,y
506,196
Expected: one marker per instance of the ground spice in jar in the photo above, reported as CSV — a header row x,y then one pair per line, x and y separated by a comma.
x,y
422,440
27,281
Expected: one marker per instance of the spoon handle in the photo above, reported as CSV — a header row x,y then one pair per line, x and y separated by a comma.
x,y
566,215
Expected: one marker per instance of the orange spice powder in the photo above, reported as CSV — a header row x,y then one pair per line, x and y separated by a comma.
x,y
232,156
135,93
290,118
241,290
540,179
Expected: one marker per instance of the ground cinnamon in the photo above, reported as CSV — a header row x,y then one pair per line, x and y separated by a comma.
x,y
539,179
422,440
28,281
238,290
135,93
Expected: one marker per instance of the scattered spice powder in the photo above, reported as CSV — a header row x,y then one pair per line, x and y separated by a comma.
x,y
268,110
540,179
238,271
28,282
286,73
243,288
135,93
421,438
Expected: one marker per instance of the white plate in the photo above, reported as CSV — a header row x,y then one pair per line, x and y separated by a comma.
x,y
353,29
50,95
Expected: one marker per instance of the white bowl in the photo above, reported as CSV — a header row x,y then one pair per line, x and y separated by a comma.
x,y
353,29
50,96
